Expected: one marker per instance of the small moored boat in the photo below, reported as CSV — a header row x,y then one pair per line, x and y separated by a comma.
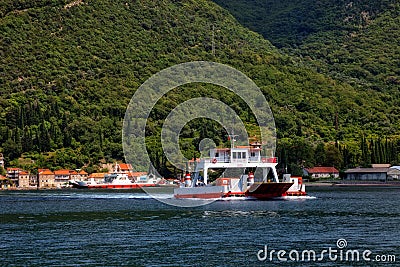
x,y
119,181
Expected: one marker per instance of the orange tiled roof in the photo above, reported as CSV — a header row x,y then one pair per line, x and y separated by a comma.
x,y
124,166
322,170
46,172
13,169
72,172
97,175
23,173
61,172
83,172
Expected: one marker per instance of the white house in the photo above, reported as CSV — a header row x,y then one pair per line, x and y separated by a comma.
x,y
393,173
322,172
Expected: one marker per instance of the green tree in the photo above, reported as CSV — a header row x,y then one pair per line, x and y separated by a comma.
x,y
333,156
2,171
11,150
320,154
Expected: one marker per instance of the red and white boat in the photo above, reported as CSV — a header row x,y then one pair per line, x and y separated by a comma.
x,y
258,178
119,181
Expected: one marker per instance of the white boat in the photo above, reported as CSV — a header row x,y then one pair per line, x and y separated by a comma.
x,y
258,178
119,181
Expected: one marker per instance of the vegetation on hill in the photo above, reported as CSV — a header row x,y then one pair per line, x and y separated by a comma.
x,y
353,41
356,42
69,69
292,23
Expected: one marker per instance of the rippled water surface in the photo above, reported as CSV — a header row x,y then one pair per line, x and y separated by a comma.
x,y
128,228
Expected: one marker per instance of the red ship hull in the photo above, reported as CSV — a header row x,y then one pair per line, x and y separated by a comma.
x,y
257,191
267,190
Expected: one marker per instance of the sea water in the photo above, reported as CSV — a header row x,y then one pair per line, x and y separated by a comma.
x,y
129,228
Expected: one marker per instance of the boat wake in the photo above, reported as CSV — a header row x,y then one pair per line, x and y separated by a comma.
x,y
234,198
240,213
117,196
296,197
158,196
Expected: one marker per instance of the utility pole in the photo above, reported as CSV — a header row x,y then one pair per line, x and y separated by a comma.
x,y
213,41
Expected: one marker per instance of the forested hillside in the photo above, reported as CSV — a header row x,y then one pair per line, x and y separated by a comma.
x,y
69,69
356,42
353,41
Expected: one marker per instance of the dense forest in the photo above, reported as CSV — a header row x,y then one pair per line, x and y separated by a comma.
x,y
352,41
355,42
68,70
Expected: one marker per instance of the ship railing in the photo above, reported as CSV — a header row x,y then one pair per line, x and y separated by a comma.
x,y
218,160
250,159
269,159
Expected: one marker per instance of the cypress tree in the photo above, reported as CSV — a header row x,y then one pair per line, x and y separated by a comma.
x,y
372,151
27,144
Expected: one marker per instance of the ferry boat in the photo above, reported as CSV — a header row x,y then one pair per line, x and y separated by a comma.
x,y
258,178
119,181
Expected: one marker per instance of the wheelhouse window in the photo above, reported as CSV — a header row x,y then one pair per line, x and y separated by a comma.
x,y
239,155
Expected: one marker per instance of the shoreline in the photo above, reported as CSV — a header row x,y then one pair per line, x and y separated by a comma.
x,y
339,183
352,183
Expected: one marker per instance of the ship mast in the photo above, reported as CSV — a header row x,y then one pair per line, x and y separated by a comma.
x,y
231,137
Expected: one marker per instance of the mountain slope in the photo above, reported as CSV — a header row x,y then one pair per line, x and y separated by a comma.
x,y
68,71
354,41
291,23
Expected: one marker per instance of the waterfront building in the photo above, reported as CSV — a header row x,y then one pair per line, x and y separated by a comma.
x,y
12,174
322,172
83,175
393,173
61,178
46,178
23,179
97,177
33,180
74,175
378,172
